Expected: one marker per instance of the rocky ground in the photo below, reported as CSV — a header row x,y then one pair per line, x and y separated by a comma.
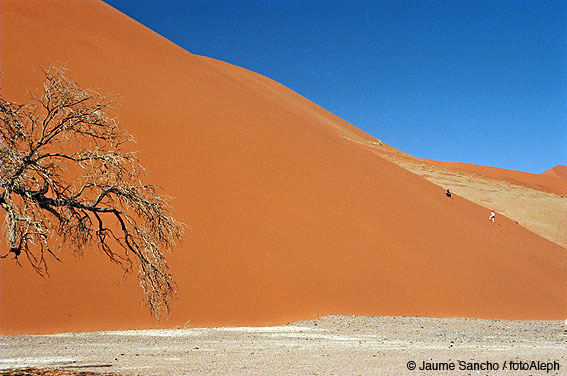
x,y
336,345
52,372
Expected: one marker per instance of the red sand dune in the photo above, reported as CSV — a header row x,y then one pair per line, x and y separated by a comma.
x,y
289,219
559,171
550,181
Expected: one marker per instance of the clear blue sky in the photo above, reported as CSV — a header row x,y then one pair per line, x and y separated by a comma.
x,y
481,82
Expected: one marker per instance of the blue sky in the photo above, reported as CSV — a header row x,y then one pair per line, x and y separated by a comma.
x,y
481,82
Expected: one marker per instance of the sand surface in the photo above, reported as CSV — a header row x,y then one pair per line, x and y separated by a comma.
x,y
559,171
537,204
335,345
541,212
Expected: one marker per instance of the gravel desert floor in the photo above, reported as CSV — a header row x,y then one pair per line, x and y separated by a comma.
x,y
334,345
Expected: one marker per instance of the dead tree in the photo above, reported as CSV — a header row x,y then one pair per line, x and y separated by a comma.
x,y
65,181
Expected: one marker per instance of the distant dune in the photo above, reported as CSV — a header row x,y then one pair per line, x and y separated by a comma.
x,y
559,171
290,219
549,181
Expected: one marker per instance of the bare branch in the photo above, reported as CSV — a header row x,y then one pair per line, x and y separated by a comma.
x,y
64,175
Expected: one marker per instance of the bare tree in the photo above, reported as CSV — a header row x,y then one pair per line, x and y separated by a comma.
x,y
65,180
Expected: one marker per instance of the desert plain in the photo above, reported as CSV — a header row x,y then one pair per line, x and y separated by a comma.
x,y
332,345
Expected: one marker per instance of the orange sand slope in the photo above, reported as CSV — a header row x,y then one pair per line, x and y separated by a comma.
x,y
290,219
550,181
559,171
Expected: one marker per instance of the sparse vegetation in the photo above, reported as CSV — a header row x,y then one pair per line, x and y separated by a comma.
x,y
65,180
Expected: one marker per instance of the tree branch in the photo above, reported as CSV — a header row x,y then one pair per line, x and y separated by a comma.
x,y
63,174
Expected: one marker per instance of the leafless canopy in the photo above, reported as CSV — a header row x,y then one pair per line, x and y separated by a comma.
x,y
66,182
